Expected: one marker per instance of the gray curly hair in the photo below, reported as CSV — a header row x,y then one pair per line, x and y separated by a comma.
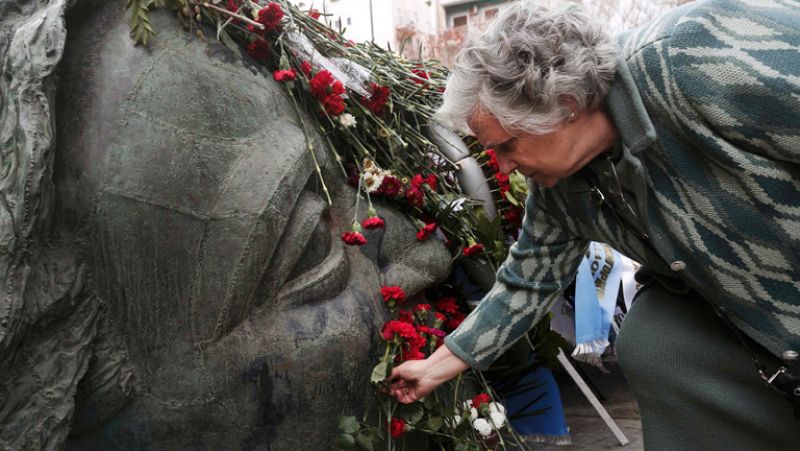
x,y
527,66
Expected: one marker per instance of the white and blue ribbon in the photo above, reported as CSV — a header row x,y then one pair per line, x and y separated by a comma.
x,y
596,289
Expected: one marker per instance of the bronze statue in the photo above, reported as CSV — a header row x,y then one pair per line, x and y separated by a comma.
x,y
172,278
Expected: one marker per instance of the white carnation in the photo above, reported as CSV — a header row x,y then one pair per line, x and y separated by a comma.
x,y
347,120
498,414
373,179
483,427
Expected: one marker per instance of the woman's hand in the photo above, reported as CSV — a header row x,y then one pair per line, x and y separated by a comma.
x,y
415,379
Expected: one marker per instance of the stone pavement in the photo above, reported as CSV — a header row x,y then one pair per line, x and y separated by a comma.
x,y
588,431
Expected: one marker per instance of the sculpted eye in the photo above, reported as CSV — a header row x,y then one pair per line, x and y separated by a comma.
x,y
311,264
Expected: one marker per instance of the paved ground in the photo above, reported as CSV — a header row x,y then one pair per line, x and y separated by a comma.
x,y
588,431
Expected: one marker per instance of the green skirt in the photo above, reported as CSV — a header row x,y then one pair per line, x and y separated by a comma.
x,y
696,385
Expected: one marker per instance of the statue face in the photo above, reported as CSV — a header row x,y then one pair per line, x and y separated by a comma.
x,y
246,320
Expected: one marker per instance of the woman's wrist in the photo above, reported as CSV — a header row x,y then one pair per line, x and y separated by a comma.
x,y
444,365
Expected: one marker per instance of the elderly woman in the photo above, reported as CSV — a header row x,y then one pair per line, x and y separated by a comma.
x,y
679,145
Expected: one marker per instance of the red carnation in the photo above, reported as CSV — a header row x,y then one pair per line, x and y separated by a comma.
x,y
493,164
390,186
422,307
412,354
432,181
354,238
373,223
318,85
426,232
405,316
333,104
314,13
284,75
514,215
438,333
379,95
305,67
393,295
416,181
475,249
258,49
415,197
420,74
502,182
480,400
402,329
447,305
455,320
438,319
397,427
270,16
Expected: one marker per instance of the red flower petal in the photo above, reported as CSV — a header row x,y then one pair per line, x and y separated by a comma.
x,y
373,223
354,238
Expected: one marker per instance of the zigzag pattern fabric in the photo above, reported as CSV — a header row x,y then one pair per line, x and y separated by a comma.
x,y
706,177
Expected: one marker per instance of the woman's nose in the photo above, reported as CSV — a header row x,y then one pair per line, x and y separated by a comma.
x,y
506,165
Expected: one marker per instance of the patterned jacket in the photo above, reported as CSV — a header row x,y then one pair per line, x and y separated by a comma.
x,y
704,182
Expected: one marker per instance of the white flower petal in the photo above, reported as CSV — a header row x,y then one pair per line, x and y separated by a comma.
x,y
498,419
483,427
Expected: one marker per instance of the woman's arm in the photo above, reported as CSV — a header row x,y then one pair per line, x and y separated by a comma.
x,y
415,379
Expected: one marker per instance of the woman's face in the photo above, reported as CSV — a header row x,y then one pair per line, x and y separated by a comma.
x,y
545,158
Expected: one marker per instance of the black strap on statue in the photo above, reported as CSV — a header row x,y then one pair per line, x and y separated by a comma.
x,y
785,380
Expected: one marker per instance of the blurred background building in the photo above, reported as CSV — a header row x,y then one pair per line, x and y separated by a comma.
x,y
436,28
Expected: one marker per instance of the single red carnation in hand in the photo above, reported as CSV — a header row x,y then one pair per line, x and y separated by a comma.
x,y
284,75
426,232
447,305
305,67
373,223
481,399
354,238
475,249
397,427
412,354
393,295
258,49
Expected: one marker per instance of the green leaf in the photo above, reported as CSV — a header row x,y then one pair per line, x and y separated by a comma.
x,y
412,413
348,425
510,197
435,423
364,442
345,442
379,372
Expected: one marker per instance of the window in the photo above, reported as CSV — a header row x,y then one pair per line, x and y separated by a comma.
x,y
460,21
490,13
